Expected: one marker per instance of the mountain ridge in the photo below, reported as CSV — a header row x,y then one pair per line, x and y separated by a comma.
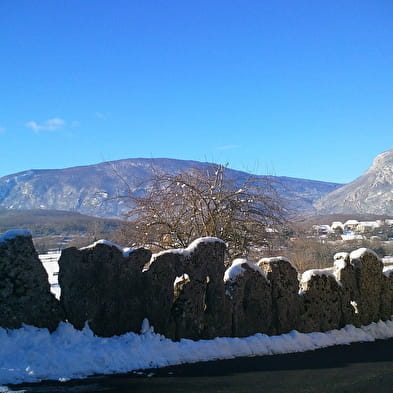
x,y
89,189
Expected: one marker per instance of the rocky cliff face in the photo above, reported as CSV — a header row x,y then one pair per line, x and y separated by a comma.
x,y
89,189
371,193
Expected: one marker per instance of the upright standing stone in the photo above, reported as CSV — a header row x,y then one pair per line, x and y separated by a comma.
x,y
283,277
250,296
103,287
345,274
25,296
206,259
159,278
192,306
321,301
387,295
368,273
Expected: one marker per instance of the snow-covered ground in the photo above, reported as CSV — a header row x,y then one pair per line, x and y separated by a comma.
x,y
51,265
387,261
30,354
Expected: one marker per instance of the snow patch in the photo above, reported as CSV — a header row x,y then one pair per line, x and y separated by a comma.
x,y
387,260
180,279
125,251
354,306
387,271
362,252
13,233
236,269
341,255
186,252
277,259
50,261
340,264
146,328
341,260
308,274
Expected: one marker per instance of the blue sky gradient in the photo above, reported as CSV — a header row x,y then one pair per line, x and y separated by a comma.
x,y
292,88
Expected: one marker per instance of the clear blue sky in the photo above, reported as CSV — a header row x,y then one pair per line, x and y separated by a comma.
x,y
292,88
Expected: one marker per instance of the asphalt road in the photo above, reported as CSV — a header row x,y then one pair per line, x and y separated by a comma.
x,y
356,368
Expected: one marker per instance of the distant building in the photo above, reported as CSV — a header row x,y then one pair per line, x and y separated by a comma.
x,y
337,225
365,226
350,225
351,229
322,229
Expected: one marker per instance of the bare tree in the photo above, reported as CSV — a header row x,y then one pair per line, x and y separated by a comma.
x,y
177,208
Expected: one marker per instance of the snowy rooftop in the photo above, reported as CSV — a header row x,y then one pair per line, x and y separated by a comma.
x,y
351,222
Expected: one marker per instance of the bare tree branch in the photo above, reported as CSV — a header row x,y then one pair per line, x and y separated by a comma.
x,y
177,208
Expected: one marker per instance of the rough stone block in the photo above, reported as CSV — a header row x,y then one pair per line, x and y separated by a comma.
x,y
387,295
101,286
250,297
195,308
25,296
345,274
321,294
286,305
368,274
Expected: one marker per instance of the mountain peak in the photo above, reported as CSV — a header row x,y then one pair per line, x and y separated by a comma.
x,y
383,160
370,193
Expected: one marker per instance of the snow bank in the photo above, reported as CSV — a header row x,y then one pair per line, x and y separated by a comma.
x,y
13,233
30,354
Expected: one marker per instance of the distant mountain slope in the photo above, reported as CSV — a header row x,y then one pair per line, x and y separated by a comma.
x,y
371,193
88,189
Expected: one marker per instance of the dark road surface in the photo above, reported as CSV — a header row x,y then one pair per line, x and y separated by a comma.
x,y
356,368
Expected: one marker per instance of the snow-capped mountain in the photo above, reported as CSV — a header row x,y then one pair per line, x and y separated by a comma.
x,y
370,193
90,189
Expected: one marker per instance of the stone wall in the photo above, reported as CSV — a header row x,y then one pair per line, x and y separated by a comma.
x,y
188,293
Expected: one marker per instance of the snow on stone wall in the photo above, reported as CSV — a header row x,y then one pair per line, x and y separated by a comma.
x,y
114,291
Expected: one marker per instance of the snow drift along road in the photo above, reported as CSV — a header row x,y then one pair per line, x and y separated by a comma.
x,y
31,354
